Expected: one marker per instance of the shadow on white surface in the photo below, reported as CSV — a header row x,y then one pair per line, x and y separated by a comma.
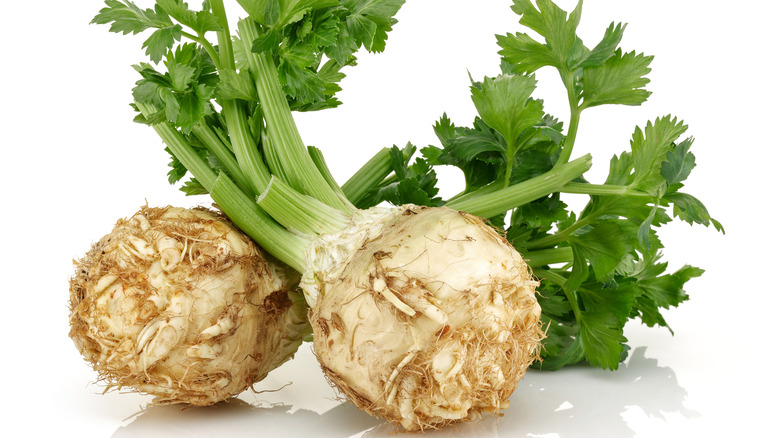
x,y
573,402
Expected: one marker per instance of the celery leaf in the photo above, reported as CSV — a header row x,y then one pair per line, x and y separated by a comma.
x,y
619,80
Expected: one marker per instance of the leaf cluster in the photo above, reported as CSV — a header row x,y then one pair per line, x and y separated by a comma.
x,y
411,182
190,76
598,76
312,40
601,266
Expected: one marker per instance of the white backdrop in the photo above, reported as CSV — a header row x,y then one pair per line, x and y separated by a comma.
x,y
73,163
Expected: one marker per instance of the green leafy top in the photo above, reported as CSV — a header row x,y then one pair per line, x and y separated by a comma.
x,y
311,40
599,76
601,266
208,87
222,103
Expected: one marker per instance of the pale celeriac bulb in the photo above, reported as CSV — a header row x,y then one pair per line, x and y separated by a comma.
x,y
180,304
422,316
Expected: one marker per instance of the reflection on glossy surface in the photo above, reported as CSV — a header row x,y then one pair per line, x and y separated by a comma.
x,y
238,418
579,401
573,402
487,427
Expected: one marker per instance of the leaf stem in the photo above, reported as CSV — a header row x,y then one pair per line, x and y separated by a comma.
x,y
233,201
500,201
223,36
201,39
549,256
319,160
603,190
371,174
244,146
298,212
560,236
215,145
561,281
510,164
181,148
257,224
284,145
550,275
574,120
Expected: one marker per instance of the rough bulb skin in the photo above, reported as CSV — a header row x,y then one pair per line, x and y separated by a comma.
x,y
432,320
179,304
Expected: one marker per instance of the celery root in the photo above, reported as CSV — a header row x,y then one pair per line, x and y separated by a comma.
x,y
422,316
180,304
